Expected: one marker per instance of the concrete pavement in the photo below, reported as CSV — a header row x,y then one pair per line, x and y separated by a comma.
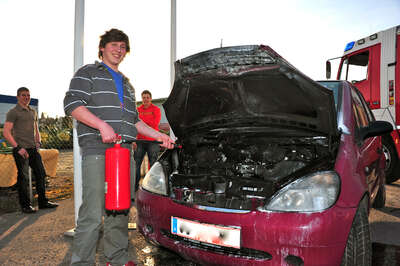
x,y
38,239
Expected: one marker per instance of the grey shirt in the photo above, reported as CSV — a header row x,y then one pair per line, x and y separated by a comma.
x,y
93,87
24,125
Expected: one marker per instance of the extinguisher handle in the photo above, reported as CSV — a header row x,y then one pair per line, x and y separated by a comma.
x,y
149,141
119,139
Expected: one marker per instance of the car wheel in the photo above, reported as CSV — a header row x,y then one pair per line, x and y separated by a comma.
x,y
358,251
391,158
380,198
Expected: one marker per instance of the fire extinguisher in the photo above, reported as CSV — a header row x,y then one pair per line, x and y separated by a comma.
x,y
117,180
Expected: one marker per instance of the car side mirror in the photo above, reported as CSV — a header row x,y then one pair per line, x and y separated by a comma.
x,y
376,128
328,69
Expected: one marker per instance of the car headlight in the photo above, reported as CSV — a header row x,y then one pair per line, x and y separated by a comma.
x,y
312,193
155,180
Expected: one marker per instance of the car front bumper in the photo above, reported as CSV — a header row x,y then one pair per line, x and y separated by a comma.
x,y
267,238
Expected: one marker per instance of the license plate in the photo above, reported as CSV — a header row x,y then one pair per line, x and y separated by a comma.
x,y
207,233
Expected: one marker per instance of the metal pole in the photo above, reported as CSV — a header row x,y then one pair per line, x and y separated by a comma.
x,y
173,42
173,50
30,184
78,62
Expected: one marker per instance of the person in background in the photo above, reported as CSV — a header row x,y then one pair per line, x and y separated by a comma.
x,y
102,100
151,115
22,132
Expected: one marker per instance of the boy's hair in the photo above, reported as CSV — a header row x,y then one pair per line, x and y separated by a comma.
x,y
146,92
113,35
21,90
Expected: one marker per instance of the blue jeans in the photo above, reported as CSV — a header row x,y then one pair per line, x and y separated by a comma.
x,y
152,150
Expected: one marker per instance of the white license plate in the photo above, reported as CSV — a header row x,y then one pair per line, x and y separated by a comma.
x,y
207,233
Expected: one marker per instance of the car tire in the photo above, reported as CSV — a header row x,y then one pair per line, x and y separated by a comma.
x,y
392,170
380,198
358,251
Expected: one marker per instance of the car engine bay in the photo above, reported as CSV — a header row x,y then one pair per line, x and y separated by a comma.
x,y
240,171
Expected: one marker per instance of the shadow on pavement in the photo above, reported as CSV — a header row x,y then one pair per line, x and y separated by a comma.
x,y
12,224
385,255
391,211
394,185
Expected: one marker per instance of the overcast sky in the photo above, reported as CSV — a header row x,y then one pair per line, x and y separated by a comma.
x,y
38,36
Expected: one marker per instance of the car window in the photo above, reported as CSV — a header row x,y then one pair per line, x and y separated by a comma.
x,y
361,113
355,67
368,111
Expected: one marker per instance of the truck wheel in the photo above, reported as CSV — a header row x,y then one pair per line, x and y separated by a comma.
x,y
358,251
392,160
380,198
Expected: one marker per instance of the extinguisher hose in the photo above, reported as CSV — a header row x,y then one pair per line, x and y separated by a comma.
x,y
149,141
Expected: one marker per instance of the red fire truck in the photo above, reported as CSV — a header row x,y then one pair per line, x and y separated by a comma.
x,y
372,64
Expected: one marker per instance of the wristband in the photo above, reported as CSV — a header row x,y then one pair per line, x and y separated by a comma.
x,y
17,148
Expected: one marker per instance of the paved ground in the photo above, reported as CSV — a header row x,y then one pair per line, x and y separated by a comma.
x,y
38,239
385,222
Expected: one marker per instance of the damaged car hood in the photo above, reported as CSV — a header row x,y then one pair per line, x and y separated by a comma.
x,y
246,87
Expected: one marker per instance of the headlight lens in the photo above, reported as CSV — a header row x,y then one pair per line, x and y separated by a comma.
x,y
312,193
155,180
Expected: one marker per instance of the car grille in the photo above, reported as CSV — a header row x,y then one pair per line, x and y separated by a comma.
x,y
243,252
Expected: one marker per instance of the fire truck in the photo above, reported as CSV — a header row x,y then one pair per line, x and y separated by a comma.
x,y
372,64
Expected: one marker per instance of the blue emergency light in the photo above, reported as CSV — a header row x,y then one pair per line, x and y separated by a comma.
x,y
349,46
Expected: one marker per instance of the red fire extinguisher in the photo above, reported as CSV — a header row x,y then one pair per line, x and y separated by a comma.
x,y
117,180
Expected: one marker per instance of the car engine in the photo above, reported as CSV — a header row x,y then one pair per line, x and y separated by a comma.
x,y
240,170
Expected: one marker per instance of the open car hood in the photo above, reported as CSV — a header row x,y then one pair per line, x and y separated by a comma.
x,y
246,87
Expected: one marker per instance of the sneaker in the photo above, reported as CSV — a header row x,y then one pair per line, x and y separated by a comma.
x,y
48,205
28,209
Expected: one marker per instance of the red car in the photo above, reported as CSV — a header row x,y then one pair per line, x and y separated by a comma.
x,y
274,169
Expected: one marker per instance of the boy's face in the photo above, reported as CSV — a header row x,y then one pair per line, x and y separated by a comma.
x,y
113,54
146,99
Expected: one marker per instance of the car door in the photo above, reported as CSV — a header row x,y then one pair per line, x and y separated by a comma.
x,y
369,150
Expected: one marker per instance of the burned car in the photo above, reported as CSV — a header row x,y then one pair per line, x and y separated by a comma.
x,y
274,168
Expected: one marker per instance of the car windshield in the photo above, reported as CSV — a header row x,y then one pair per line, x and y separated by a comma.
x,y
334,87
